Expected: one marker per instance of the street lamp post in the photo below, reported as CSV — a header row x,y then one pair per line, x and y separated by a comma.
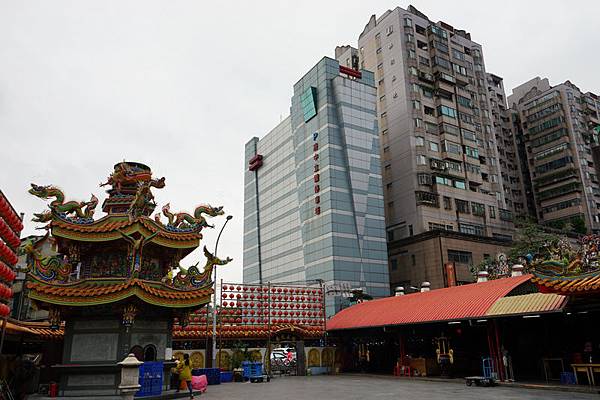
x,y
214,330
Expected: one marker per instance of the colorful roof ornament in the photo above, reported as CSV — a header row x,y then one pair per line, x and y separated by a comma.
x,y
570,271
124,256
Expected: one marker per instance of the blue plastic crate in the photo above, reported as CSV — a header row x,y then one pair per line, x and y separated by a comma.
x,y
226,376
151,379
567,378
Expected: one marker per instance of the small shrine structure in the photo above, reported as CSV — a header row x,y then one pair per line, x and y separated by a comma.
x,y
113,282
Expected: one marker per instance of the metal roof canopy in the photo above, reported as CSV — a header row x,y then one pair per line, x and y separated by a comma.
x,y
466,302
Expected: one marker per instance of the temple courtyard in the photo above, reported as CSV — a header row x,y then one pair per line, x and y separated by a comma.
x,y
349,387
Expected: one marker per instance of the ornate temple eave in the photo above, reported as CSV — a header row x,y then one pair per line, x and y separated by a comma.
x,y
580,284
192,332
107,229
91,292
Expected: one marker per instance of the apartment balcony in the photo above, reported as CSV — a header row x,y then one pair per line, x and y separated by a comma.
x,y
447,78
427,199
447,155
426,77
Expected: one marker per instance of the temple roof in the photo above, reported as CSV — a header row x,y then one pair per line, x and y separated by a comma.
x,y
95,291
107,228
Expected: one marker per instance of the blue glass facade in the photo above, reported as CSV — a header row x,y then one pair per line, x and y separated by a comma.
x,y
335,229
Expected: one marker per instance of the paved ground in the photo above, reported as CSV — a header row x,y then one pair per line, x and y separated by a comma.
x,y
379,388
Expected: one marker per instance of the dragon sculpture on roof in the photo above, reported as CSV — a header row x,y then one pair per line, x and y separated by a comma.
x,y
77,210
184,220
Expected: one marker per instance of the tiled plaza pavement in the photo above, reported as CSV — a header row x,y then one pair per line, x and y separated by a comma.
x,y
351,387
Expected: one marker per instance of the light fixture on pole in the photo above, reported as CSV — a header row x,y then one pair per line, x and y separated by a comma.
x,y
214,330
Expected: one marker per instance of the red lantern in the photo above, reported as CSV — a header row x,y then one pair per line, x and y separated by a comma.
x,y
245,288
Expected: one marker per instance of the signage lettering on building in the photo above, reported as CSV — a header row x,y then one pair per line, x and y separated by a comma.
x,y
316,176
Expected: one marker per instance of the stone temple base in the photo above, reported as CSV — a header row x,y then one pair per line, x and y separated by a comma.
x,y
93,347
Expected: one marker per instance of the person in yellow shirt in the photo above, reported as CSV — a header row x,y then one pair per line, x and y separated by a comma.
x,y
185,374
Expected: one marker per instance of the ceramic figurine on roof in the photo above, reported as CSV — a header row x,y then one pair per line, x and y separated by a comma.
x,y
192,277
84,211
569,270
109,271
184,220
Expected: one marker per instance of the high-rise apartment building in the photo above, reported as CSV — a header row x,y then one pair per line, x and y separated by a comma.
x,y
442,167
314,205
556,129
505,142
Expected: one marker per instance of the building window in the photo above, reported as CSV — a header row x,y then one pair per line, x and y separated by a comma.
x,y
410,38
447,111
450,147
424,179
492,210
447,203
462,206
471,152
407,22
411,54
460,257
418,123
429,110
441,62
471,229
419,141
416,104
411,70
436,227
389,30
468,135
449,129
421,160
433,146
431,128
478,209
459,55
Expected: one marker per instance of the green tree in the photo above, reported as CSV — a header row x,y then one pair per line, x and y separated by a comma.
x,y
578,225
531,238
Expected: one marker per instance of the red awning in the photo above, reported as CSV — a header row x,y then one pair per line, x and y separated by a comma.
x,y
448,304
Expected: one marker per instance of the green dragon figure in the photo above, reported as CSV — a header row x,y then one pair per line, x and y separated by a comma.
x,y
42,217
197,220
58,206
49,268
192,278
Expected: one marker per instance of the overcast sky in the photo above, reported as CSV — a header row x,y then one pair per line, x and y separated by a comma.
x,y
183,85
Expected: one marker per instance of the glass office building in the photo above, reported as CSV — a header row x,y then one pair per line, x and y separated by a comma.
x,y
314,206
